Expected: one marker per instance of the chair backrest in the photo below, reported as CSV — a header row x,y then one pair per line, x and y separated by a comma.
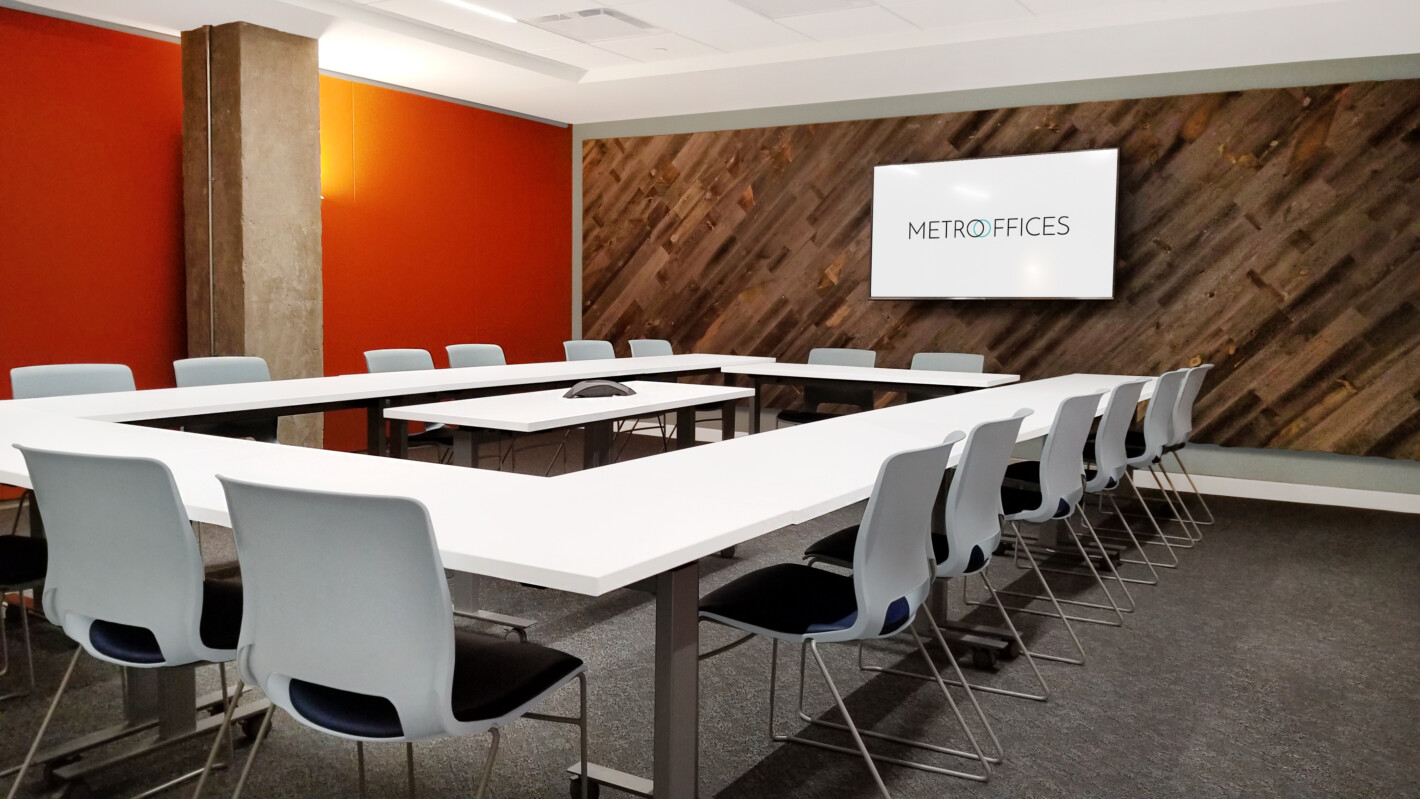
x,y
1110,457
345,593
1062,460
398,360
121,552
949,361
588,350
648,347
462,355
973,508
815,396
1183,409
220,370
64,379
1158,417
892,572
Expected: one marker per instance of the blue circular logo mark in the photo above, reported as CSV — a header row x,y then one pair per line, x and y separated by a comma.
x,y
977,228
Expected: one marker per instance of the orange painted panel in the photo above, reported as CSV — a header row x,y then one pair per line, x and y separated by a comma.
x,y
421,249
91,260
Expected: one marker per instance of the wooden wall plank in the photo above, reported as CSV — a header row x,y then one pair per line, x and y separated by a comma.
x,y
1275,233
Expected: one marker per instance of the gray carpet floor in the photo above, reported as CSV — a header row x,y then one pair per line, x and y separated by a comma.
x,y
1282,659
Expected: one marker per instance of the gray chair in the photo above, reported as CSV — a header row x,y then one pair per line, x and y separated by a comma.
x,y
1051,489
227,370
945,362
893,571
462,356
1182,431
67,379
22,558
376,658
588,350
125,577
650,347
814,396
413,360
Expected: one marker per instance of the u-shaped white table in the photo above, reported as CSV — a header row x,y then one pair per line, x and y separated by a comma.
x,y
643,522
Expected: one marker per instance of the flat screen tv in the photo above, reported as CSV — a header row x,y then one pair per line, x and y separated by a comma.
x,y
1021,227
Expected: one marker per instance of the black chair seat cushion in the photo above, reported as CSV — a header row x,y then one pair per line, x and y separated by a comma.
x,y
795,599
1133,446
22,559
439,436
804,417
1025,494
219,627
838,548
493,677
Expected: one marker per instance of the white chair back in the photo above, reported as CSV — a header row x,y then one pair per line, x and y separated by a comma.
x,y
220,370
973,507
121,552
815,396
1111,461
344,592
892,572
465,355
1183,410
650,347
398,360
65,379
949,361
1158,418
588,350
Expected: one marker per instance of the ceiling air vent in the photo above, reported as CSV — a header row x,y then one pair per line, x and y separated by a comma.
x,y
595,25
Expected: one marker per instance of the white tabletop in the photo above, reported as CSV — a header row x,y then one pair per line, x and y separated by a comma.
x,y
172,403
872,374
535,411
588,532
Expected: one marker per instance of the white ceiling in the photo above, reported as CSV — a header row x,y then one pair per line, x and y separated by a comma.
x,y
599,60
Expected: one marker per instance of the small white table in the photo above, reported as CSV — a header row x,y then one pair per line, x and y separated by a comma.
x,y
921,381
538,411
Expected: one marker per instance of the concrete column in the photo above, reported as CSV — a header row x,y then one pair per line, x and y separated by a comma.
x,y
251,198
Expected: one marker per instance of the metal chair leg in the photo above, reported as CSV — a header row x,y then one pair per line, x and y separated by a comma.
x,y
360,762
29,649
44,725
852,728
228,708
1049,594
1198,531
1194,486
482,786
256,745
409,759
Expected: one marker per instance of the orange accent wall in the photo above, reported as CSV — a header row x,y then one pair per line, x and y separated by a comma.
x,y
442,224
91,261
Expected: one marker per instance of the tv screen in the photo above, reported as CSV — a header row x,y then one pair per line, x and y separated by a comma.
x,y
1024,227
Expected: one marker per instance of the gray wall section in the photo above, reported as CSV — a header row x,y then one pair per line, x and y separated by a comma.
x,y
1308,468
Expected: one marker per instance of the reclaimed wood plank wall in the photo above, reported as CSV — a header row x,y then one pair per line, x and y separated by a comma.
x,y
1275,233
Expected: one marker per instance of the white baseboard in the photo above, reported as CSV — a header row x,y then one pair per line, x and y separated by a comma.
x,y
1291,492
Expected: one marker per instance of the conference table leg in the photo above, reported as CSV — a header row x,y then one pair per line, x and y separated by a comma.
x,y
685,428
756,406
375,426
596,444
727,421
399,438
463,590
676,747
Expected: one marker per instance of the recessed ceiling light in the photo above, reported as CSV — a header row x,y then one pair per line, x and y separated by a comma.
x,y
477,9
594,25
779,9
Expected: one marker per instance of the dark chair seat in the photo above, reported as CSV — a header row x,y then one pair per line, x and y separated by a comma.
x,y
794,599
804,417
23,560
492,678
219,627
257,430
1134,446
838,549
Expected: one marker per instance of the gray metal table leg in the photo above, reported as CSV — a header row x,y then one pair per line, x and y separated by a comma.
x,y
677,714
463,590
756,407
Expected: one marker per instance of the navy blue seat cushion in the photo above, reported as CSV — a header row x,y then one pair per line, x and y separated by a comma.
x,y
794,599
345,711
218,628
1133,446
22,559
493,677
838,548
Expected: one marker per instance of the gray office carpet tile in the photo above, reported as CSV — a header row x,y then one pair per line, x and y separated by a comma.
x,y
1281,659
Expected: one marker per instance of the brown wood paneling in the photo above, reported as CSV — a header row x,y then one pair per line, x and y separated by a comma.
x,y
1275,233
